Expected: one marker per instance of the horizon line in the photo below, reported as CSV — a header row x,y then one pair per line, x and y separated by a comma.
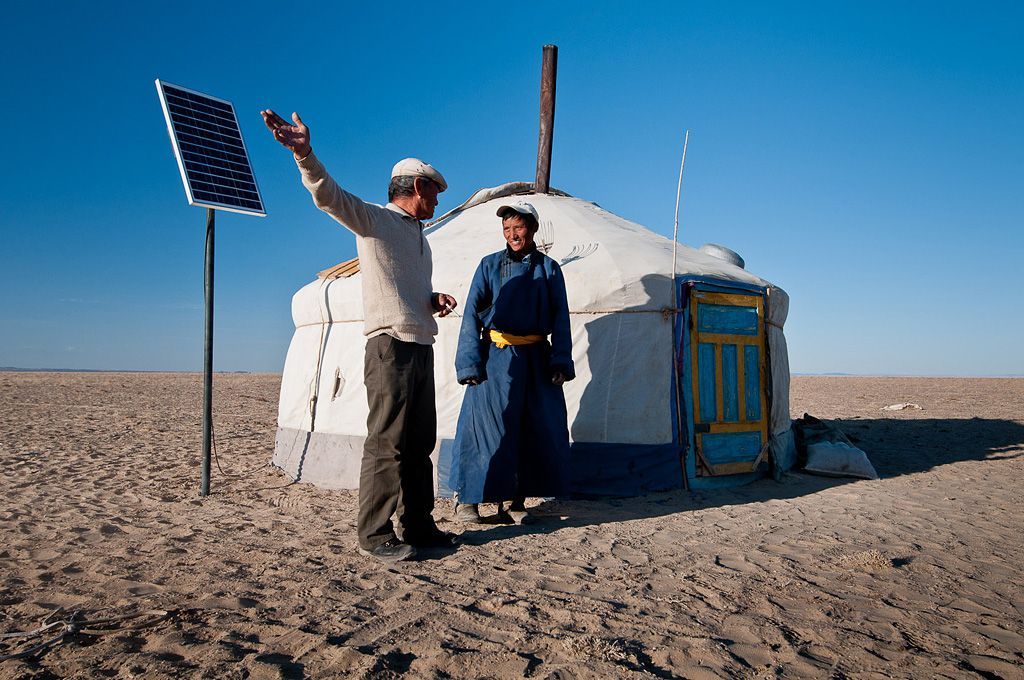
x,y
17,369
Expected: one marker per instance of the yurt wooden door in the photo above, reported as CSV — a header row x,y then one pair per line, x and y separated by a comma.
x,y
730,409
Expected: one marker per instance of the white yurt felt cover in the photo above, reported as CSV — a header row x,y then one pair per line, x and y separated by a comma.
x,y
618,277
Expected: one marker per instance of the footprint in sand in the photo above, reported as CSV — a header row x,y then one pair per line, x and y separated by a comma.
x,y
182,534
558,586
224,602
144,589
733,562
286,502
44,554
630,556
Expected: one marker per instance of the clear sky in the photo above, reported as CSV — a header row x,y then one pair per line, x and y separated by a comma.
x,y
866,156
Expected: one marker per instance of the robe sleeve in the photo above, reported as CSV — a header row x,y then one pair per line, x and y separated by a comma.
x,y
471,354
561,332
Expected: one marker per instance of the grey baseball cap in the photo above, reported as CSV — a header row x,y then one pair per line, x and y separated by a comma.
x,y
521,207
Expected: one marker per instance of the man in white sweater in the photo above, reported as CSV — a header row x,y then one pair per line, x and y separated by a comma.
x,y
398,305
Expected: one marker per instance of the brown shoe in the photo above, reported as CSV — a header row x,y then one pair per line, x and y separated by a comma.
x,y
520,516
517,511
468,513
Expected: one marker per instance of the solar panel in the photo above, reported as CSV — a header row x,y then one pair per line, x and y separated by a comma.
x,y
210,151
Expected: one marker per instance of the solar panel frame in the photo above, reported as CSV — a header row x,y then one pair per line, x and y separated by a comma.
x,y
210,151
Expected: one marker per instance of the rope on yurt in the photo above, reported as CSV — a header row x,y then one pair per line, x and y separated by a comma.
x,y
316,386
319,362
675,306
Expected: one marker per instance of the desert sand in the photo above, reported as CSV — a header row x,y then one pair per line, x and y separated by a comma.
x,y
917,574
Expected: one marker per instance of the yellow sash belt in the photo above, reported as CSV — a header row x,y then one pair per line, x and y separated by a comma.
x,y
502,340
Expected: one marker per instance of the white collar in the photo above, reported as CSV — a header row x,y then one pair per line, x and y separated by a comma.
x,y
398,209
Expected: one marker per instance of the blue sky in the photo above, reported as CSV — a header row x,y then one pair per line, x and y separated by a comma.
x,y
868,157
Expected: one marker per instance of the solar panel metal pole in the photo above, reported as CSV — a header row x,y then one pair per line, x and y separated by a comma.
x,y
216,174
204,484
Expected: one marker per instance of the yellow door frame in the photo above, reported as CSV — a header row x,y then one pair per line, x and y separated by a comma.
x,y
718,340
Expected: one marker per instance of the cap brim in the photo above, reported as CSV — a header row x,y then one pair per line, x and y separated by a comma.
x,y
441,185
506,209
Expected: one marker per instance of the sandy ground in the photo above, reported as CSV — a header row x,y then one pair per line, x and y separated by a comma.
x,y
918,574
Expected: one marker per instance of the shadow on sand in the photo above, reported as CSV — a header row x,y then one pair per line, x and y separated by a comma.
x,y
896,446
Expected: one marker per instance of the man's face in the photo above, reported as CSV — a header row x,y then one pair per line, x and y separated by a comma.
x,y
426,198
517,234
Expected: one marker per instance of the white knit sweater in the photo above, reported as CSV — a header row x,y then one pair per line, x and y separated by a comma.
x,y
394,258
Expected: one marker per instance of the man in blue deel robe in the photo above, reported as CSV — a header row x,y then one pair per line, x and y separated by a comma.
x,y
512,439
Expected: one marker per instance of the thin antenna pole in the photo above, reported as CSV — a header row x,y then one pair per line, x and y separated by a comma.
x,y
675,229
675,314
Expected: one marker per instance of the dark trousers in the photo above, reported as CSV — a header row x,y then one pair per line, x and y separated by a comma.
x,y
397,475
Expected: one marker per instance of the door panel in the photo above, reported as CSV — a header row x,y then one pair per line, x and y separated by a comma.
x,y
751,381
728,368
731,448
727,319
730,386
706,371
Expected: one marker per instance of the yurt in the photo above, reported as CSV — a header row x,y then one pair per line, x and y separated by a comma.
x,y
682,370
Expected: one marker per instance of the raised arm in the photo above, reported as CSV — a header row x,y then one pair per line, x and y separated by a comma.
x,y
349,210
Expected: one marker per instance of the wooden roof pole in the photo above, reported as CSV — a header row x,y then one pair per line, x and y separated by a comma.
x,y
548,74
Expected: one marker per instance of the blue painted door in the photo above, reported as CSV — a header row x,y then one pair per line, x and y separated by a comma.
x,y
727,360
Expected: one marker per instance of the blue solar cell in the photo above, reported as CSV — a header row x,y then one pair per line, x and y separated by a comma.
x,y
211,153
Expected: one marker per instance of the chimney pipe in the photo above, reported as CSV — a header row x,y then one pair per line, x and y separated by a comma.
x,y
548,74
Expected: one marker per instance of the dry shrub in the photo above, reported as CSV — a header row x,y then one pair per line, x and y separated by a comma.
x,y
593,647
869,560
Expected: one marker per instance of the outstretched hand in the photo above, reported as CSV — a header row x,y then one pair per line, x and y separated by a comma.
x,y
295,138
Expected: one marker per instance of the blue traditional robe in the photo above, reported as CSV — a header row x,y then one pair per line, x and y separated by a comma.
x,y
512,437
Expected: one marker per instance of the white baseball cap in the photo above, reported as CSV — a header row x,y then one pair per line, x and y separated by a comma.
x,y
414,167
521,207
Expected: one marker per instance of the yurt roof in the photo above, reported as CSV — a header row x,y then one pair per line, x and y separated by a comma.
x,y
610,263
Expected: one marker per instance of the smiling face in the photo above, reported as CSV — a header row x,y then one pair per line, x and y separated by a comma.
x,y
517,231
